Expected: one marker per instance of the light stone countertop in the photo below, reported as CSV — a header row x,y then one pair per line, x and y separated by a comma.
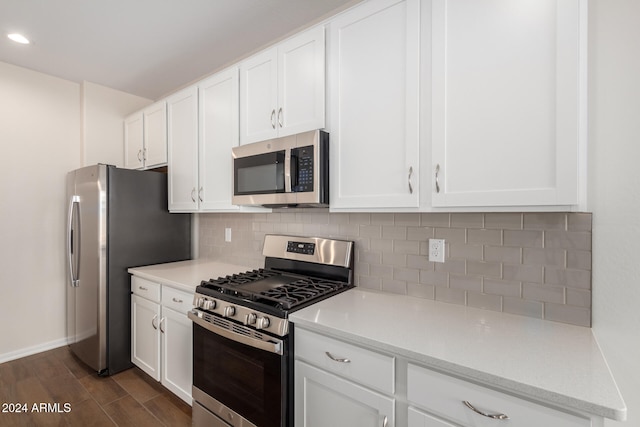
x,y
186,275
547,361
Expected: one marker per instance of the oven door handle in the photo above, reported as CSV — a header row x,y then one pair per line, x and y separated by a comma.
x,y
274,346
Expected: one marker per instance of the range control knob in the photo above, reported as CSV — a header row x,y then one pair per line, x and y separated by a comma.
x,y
249,319
229,311
208,304
262,322
198,302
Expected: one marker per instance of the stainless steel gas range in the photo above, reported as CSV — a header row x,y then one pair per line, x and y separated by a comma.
x,y
242,339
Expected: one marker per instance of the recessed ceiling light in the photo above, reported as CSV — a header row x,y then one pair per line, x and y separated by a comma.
x,y
18,38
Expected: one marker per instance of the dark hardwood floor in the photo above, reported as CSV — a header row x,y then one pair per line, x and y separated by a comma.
x,y
66,392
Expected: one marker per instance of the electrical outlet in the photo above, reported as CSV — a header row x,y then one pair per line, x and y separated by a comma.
x,y
227,234
436,250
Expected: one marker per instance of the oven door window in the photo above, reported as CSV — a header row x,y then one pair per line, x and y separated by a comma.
x,y
247,380
259,174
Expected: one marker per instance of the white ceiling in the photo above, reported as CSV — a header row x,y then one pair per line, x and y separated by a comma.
x,y
146,47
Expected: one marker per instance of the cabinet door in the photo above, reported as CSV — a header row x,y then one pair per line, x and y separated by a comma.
x,y
182,118
176,353
145,335
258,97
155,135
218,98
133,141
301,83
323,399
508,101
374,98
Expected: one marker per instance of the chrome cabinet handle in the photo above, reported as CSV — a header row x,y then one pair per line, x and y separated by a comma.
x,y
437,183
385,421
410,173
273,119
142,288
337,359
280,116
177,300
152,322
193,192
144,154
140,156
200,194
162,320
484,414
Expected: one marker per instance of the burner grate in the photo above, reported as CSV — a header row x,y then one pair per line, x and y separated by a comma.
x,y
283,297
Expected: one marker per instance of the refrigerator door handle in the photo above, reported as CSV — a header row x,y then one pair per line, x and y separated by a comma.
x,y
71,250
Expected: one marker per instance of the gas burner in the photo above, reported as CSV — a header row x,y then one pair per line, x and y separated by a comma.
x,y
241,278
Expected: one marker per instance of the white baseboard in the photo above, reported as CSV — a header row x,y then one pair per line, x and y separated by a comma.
x,y
13,355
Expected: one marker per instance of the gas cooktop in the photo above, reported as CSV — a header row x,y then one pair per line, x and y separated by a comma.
x,y
298,271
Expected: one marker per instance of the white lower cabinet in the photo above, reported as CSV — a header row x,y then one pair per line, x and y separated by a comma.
x,y
472,405
324,399
349,386
161,337
343,384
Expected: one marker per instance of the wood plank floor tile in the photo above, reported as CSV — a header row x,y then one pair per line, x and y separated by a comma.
x,y
56,377
129,412
165,409
103,389
65,389
88,414
138,384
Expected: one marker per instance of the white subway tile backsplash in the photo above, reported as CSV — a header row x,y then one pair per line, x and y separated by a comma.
x,y
531,264
467,220
523,238
484,237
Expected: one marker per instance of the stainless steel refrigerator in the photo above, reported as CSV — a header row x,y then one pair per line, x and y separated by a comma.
x,y
117,218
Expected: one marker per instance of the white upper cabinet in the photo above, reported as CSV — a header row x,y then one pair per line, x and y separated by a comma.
x,y
155,135
134,141
218,127
145,137
282,89
508,102
374,73
182,118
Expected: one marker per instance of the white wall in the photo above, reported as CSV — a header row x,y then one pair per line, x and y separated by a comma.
x,y
102,127
40,142
43,122
614,190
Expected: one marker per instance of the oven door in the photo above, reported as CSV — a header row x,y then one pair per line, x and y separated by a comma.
x,y
240,378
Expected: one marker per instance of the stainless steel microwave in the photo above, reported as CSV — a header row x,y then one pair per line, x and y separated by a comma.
x,y
291,171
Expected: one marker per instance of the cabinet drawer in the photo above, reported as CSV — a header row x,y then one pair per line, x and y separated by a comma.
x,y
444,396
179,301
145,288
364,366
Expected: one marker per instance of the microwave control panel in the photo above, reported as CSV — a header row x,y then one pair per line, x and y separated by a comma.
x,y
302,160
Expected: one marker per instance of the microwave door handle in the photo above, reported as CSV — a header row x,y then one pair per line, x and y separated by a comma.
x,y
287,170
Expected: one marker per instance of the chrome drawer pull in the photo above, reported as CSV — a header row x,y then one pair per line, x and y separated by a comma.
x,y
336,359
492,416
142,288
177,300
